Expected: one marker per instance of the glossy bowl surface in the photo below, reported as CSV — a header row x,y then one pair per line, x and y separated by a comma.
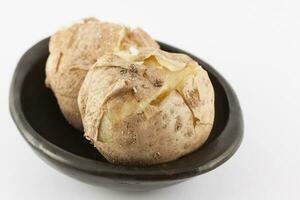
x,y
35,112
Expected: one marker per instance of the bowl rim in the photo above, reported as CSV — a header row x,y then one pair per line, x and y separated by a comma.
x,y
233,129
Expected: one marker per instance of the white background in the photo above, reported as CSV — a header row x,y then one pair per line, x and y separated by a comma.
x,y
254,44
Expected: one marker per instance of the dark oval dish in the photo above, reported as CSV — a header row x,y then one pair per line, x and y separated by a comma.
x,y
34,110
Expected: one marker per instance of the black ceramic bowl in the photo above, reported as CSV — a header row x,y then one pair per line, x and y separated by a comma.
x,y
37,116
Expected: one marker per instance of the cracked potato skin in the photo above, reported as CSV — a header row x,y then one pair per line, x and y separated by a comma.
x,y
148,109
75,49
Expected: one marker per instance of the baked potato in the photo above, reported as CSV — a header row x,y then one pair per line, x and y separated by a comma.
x,y
146,107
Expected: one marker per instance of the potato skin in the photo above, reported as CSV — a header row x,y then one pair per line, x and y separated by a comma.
x,y
75,49
174,123
166,135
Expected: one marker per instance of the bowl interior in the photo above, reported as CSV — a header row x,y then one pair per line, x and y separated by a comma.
x,y
42,112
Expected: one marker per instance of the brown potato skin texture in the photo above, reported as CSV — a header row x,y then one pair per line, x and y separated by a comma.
x,y
75,49
165,131
167,135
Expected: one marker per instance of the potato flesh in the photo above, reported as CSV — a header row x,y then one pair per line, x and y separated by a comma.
x,y
174,80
